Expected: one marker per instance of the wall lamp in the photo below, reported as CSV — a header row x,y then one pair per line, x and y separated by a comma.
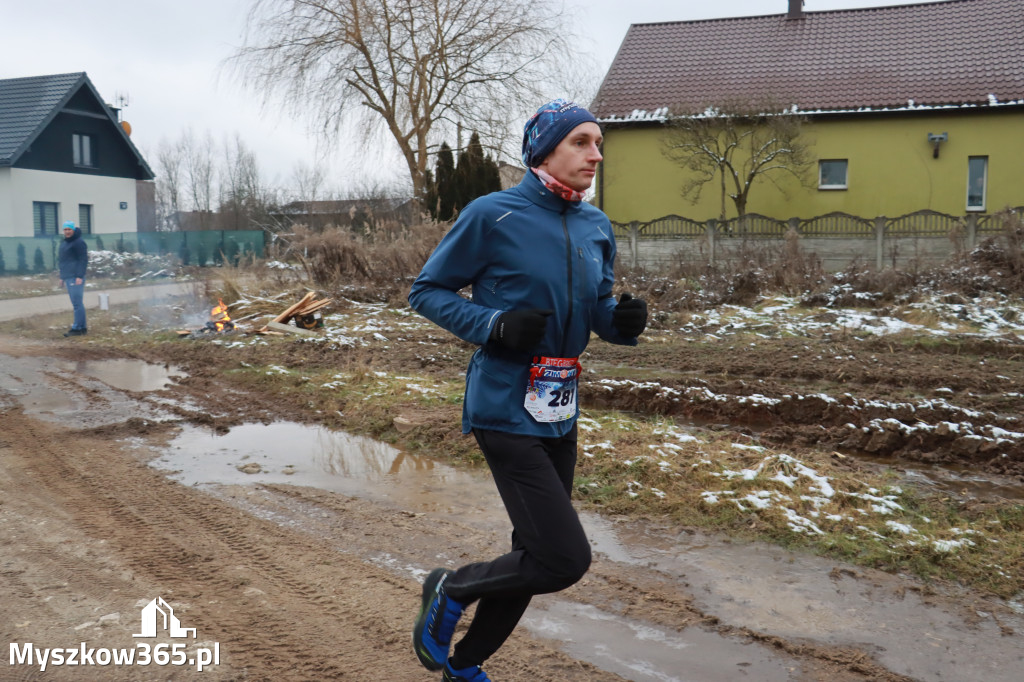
x,y
937,139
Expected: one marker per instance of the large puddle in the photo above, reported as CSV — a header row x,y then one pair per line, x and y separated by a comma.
x,y
98,395
296,454
653,653
125,374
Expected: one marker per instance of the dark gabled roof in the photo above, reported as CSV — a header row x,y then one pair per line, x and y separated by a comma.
x,y
951,53
28,105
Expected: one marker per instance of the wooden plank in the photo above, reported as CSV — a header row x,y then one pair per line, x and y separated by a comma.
x,y
283,317
290,329
313,307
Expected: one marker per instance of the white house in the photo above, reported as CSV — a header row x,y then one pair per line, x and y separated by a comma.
x,y
65,156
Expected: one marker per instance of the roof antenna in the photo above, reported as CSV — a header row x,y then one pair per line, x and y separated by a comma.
x,y
122,101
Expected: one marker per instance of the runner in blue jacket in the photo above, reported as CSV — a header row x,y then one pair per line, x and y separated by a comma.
x,y
540,262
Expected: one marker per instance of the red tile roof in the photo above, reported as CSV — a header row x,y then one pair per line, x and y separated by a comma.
x,y
950,53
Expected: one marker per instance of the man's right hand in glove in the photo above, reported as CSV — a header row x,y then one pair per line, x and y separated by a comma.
x,y
521,330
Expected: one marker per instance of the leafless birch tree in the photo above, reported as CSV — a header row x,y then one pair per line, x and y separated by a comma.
x,y
417,68
741,145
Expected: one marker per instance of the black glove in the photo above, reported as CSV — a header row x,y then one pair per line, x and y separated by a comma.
x,y
521,329
630,315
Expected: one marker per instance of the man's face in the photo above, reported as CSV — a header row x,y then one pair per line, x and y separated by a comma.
x,y
68,232
574,161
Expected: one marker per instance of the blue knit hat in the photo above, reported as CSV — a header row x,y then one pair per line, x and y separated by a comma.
x,y
69,224
548,127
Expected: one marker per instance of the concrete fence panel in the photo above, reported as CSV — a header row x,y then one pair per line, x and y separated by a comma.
x,y
837,239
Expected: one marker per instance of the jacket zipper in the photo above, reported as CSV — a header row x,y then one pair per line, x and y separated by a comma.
x,y
568,266
581,261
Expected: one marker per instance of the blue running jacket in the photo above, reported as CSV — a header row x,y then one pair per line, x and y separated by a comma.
x,y
518,249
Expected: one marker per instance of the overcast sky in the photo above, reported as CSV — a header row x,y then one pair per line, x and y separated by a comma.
x,y
166,56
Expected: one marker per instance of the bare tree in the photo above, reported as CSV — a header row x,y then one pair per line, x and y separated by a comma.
x,y
168,185
741,144
416,68
244,199
308,180
197,157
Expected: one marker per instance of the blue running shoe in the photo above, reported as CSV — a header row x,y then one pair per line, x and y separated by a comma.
x,y
432,634
470,674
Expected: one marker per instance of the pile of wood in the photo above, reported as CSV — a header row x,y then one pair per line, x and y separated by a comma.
x,y
307,305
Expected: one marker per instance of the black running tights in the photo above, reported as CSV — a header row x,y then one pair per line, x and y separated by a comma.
x,y
550,551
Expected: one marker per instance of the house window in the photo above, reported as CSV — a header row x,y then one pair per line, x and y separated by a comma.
x,y
82,150
977,180
832,174
85,218
44,218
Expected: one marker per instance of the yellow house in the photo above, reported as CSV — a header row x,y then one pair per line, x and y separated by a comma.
x,y
904,108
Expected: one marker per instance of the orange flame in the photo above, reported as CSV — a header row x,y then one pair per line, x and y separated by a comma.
x,y
219,315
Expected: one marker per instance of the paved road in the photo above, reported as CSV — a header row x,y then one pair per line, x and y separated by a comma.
x,y
16,308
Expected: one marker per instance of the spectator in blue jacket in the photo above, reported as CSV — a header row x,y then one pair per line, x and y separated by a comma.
x,y
540,262
72,261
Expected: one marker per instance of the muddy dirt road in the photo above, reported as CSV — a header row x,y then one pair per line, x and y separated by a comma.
x,y
307,566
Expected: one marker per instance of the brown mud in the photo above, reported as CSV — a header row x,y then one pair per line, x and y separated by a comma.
x,y
298,582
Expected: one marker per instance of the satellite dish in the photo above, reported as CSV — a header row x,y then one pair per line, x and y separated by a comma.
x,y
127,128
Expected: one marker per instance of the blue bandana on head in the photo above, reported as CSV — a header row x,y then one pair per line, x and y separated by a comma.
x,y
548,127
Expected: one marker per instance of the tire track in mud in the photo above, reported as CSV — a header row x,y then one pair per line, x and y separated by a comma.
x,y
280,605
183,544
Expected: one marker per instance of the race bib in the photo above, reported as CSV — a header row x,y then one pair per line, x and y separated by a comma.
x,y
551,393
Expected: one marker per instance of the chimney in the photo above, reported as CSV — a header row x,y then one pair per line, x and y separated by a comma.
x,y
796,9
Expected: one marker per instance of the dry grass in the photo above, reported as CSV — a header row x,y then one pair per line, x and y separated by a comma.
x,y
381,263
385,259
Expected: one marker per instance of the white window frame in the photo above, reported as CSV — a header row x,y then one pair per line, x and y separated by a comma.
x,y
846,174
82,152
984,182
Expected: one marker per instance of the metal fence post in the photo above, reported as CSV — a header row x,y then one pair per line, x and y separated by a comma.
x,y
879,241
